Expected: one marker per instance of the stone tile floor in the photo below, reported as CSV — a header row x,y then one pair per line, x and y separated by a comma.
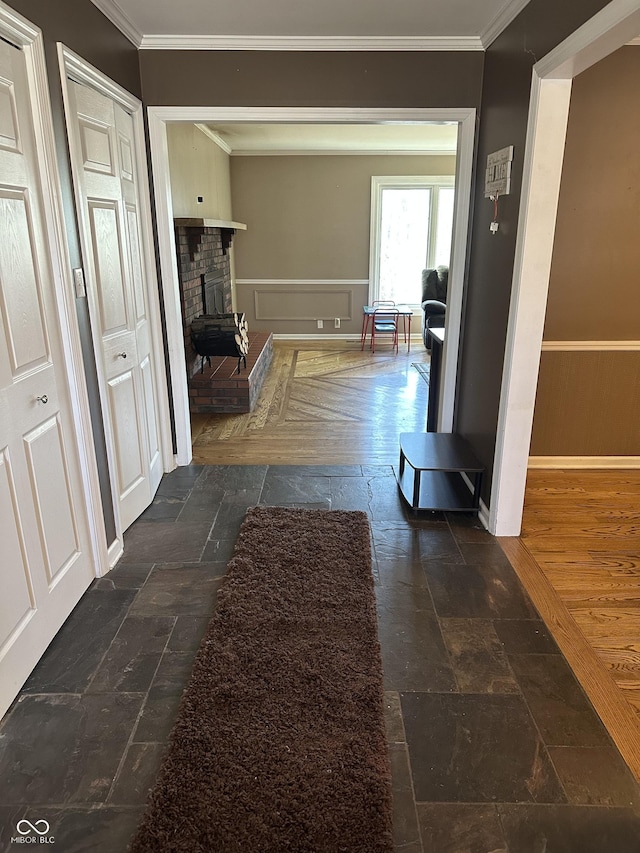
x,y
493,744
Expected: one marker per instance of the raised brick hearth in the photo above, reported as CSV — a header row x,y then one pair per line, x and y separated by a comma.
x,y
221,389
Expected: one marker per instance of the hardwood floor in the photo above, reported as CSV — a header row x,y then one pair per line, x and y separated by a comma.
x,y
322,404
579,557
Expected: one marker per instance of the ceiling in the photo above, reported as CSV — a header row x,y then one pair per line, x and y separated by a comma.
x,y
310,24
290,139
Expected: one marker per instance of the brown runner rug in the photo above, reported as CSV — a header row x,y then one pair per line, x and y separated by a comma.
x,y
280,742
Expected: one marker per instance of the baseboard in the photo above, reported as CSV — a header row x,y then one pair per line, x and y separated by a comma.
x,y
114,552
483,514
353,337
619,462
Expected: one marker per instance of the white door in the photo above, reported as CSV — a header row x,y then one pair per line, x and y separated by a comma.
x,y
45,553
105,173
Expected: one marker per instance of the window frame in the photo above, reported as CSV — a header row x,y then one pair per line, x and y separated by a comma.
x,y
397,182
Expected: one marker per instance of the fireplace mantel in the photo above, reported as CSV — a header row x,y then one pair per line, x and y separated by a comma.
x,y
210,223
195,229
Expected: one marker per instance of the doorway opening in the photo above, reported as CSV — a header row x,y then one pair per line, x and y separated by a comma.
x,y
160,117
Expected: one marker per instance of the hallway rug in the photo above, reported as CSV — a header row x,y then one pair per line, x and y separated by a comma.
x,y
280,741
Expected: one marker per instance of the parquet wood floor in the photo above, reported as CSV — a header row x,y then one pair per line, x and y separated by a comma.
x,y
322,404
580,544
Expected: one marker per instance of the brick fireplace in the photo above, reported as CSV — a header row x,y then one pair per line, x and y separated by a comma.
x,y
201,250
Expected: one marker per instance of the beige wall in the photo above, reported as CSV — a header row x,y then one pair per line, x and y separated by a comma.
x,y
198,167
305,253
587,400
308,217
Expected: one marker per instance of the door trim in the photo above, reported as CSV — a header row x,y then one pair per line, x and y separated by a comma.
x,y
157,121
18,30
552,77
74,67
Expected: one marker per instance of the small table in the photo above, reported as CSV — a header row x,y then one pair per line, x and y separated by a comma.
x,y
405,311
438,461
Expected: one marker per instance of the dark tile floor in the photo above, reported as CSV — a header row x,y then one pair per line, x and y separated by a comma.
x,y
493,745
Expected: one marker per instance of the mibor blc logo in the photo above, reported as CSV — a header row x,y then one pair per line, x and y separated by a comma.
x,y
33,833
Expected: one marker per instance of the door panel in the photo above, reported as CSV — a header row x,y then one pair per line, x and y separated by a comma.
x,y
107,188
110,280
21,293
46,559
49,480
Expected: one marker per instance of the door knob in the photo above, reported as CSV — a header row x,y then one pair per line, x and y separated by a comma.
x,y
43,399
122,355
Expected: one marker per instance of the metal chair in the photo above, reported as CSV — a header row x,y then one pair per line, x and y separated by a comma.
x,y
385,322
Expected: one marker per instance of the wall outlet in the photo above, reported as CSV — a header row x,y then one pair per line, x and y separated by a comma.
x,y
320,324
336,323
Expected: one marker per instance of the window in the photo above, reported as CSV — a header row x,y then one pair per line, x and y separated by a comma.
x,y
411,227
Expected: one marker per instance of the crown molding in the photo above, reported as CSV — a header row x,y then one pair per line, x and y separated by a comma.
x,y
215,137
339,152
635,41
300,43
501,21
114,13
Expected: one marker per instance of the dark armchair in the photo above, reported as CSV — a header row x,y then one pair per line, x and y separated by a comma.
x,y
434,300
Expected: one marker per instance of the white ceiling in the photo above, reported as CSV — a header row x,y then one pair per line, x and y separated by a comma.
x,y
315,24
251,139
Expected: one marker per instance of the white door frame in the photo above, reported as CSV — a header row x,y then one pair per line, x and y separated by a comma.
x,y
74,67
610,29
157,121
18,30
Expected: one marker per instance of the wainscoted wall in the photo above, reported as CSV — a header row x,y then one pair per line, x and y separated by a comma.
x,y
293,306
588,400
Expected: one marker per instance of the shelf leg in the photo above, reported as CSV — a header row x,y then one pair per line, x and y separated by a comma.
x,y
416,488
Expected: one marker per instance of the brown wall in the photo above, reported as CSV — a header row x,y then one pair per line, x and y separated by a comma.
x,y
80,26
306,78
588,402
505,102
593,287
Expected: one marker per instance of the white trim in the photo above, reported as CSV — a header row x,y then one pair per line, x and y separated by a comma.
x,y
340,152
309,115
19,31
548,113
349,43
354,337
587,346
116,550
74,67
483,514
501,21
114,13
635,41
558,462
457,268
303,281
157,118
214,137
605,32
544,153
